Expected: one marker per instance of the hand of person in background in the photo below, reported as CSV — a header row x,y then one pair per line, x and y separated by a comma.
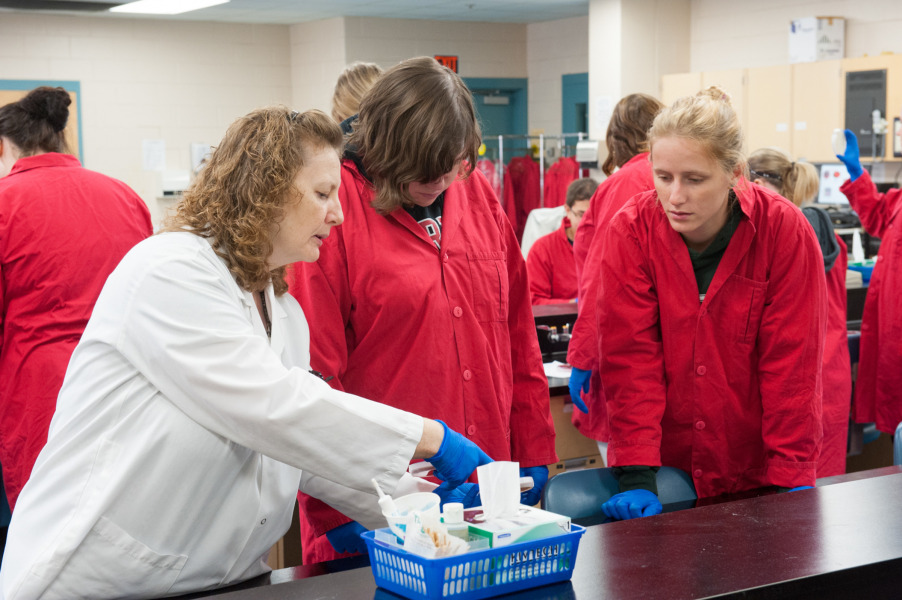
x,y
457,458
539,476
346,538
851,156
579,382
466,493
632,504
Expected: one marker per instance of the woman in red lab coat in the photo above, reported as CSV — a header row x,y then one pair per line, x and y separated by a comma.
x,y
63,229
878,386
627,145
711,332
421,298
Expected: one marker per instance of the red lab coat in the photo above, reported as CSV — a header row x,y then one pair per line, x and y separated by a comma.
x,y
630,179
557,179
729,389
837,374
63,229
552,272
878,388
447,334
522,191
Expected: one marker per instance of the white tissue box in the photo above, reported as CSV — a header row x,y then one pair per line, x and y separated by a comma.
x,y
530,523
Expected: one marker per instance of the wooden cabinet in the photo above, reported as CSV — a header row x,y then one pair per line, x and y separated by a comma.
x,y
733,82
793,107
769,108
817,109
679,85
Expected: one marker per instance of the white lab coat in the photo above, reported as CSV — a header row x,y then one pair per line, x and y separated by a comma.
x,y
180,437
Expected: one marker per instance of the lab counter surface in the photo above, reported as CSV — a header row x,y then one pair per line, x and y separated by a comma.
x,y
842,539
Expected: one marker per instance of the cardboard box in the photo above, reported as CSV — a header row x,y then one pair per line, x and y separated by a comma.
x,y
569,443
530,524
589,462
816,38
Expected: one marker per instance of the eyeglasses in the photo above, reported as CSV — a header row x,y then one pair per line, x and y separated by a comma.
x,y
765,175
292,116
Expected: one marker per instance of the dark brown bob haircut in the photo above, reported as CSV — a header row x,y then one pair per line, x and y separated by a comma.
x,y
240,194
414,124
627,133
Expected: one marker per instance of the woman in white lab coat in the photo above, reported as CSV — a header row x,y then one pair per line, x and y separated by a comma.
x,y
188,419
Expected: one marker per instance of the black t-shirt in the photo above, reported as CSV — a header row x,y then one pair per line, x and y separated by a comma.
x,y
705,263
430,217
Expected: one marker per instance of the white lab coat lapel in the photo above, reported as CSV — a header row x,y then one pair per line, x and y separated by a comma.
x,y
279,323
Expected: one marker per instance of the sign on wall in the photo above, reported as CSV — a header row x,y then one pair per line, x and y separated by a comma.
x,y
447,61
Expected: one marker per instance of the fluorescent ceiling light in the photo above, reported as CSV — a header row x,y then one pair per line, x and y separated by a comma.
x,y
165,7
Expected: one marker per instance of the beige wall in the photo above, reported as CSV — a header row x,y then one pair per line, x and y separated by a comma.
x,y
632,43
483,49
729,34
317,59
553,49
178,81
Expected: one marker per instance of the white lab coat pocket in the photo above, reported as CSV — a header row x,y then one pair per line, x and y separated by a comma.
x,y
110,563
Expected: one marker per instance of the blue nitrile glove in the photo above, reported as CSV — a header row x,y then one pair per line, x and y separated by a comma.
x,y
632,504
579,381
540,478
851,158
346,538
802,487
466,493
457,458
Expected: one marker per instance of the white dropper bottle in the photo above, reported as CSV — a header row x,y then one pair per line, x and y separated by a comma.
x,y
386,502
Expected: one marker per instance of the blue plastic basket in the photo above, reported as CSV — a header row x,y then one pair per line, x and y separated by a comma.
x,y
478,574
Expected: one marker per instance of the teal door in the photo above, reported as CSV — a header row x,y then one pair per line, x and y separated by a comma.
x,y
575,103
501,107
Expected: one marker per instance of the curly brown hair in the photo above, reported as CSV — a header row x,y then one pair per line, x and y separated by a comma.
x,y
239,195
414,125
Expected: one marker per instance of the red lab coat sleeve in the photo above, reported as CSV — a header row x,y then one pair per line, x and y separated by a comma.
x,y
790,358
875,210
311,286
532,429
632,357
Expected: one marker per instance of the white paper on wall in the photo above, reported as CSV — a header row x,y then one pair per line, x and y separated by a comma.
x,y
154,153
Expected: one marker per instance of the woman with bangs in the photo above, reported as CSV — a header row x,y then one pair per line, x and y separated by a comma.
x,y
711,331
421,298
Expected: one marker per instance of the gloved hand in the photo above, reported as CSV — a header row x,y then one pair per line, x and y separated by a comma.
x,y
540,478
851,158
579,381
346,538
457,458
466,493
632,504
801,487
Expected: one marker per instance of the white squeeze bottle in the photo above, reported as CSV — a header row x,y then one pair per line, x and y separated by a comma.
x,y
839,142
453,516
857,248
